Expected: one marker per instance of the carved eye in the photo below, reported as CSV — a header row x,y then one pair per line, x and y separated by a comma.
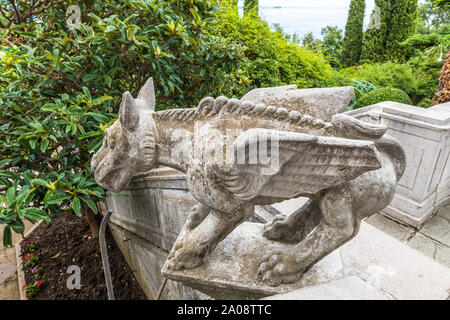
x,y
109,142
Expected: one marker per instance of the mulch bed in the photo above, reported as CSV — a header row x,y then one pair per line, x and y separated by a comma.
x,y
67,241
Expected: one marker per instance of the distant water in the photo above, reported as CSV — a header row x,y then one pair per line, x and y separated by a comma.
x,y
303,16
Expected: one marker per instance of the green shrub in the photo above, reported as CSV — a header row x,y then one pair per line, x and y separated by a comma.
x,y
270,59
381,95
387,74
425,103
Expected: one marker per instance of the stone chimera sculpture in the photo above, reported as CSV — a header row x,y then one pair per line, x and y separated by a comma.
x,y
348,168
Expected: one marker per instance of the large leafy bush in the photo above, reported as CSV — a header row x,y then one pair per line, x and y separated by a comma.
x,y
271,60
60,89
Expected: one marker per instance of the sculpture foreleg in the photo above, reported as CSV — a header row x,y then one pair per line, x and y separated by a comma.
x,y
192,247
338,225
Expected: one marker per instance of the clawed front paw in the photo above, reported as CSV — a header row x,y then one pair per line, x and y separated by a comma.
x,y
276,229
184,258
279,268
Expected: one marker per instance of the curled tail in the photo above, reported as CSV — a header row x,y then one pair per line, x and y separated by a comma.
x,y
352,128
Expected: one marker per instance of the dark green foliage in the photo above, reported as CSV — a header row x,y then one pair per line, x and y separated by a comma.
x,y
332,45
401,26
373,49
251,7
353,38
311,43
441,3
387,74
425,103
397,21
60,89
381,95
428,53
432,15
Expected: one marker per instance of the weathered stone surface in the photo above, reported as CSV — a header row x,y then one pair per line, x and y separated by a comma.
x,y
445,213
389,269
347,167
395,268
322,103
7,271
230,272
349,288
423,244
392,228
425,136
438,228
442,254
431,248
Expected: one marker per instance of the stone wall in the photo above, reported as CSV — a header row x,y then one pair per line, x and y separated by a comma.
x,y
146,220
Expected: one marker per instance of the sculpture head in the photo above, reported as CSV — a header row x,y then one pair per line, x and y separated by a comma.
x,y
129,144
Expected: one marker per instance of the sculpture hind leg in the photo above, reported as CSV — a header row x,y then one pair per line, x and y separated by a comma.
x,y
194,245
338,225
297,226
198,214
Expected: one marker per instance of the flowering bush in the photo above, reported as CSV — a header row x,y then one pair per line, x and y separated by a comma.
x,y
30,260
32,289
29,246
37,271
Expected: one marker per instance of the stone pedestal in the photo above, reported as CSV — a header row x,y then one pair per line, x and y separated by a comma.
x,y
425,136
371,266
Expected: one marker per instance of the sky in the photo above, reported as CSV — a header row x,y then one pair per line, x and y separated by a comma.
x,y
303,16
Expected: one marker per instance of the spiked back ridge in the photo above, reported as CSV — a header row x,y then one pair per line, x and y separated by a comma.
x,y
223,107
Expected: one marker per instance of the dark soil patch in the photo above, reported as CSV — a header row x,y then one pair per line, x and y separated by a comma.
x,y
67,241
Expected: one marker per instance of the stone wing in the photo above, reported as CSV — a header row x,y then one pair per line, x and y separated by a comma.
x,y
284,165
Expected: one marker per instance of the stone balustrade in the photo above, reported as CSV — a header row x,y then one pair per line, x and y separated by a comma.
x,y
425,136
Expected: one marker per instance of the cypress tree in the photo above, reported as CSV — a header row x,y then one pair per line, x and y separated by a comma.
x,y
353,38
251,6
373,49
402,25
397,21
234,5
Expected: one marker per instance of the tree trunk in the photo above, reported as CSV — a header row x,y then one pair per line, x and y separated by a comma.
x,y
94,222
443,90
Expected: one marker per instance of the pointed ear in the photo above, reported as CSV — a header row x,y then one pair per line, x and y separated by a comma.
x,y
147,94
129,112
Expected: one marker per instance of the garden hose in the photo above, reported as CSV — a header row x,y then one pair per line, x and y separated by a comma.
x,y
161,288
105,261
